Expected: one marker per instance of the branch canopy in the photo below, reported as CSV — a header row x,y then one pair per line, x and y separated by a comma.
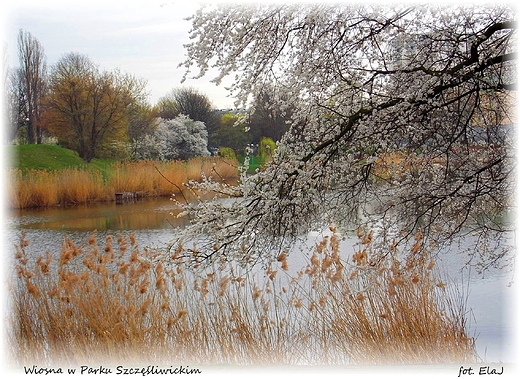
x,y
403,117
87,108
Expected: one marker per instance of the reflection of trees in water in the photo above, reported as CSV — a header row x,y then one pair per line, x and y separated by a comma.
x,y
142,214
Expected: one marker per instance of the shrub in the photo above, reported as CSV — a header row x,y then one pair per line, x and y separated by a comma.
x,y
227,152
266,148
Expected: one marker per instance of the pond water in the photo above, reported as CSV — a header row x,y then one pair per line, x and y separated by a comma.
x,y
490,296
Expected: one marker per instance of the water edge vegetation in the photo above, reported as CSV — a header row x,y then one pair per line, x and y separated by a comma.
x,y
106,301
70,182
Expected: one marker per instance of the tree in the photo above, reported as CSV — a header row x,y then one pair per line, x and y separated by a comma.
x,y
267,118
266,148
384,131
189,102
230,134
180,138
10,115
88,109
32,80
142,120
167,108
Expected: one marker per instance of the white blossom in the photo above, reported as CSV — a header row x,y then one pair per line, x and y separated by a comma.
x,y
180,138
371,84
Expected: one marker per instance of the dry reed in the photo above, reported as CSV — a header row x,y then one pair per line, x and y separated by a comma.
x,y
39,188
110,301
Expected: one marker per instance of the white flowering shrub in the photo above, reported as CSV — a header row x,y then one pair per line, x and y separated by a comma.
x,y
388,100
179,138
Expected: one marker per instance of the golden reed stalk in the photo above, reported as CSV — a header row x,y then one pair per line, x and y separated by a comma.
x,y
109,301
38,188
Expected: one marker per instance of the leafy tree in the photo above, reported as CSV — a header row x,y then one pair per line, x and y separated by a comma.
x,y
167,108
266,148
142,120
386,130
270,115
230,134
87,109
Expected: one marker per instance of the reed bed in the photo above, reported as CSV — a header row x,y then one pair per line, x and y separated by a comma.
x,y
102,302
38,188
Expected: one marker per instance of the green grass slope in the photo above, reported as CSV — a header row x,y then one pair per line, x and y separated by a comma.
x,y
48,157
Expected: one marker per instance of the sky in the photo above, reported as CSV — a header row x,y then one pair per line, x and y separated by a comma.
x,y
140,37
144,38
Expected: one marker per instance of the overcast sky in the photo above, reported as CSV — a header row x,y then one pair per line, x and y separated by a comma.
x,y
144,38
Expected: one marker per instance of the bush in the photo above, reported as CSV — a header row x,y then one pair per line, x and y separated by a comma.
x,y
227,152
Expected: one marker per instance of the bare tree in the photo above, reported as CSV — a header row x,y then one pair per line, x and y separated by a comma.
x,y
10,86
32,76
392,103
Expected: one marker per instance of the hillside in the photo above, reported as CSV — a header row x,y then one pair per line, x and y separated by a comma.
x,y
48,157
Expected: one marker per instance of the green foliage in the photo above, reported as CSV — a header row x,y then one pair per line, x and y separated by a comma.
x,y
227,152
266,148
231,135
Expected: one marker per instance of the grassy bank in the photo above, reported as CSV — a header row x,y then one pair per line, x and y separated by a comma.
x,y
50,158
255,163
42,188
108,301
45,175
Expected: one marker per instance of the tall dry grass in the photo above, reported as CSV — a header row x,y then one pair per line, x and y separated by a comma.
x,y
38,188
110,301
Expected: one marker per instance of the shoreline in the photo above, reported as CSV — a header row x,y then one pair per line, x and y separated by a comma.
x,y
44,189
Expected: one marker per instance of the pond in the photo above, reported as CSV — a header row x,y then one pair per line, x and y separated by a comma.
x,y
490,296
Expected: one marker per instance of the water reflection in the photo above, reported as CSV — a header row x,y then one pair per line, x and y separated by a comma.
x,y
154,220
150,213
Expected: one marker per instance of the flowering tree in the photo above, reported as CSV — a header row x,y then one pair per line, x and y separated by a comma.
x,y
403,120
189,102
179,138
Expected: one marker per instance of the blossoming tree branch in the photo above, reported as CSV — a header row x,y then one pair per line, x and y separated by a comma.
x,y
401,118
